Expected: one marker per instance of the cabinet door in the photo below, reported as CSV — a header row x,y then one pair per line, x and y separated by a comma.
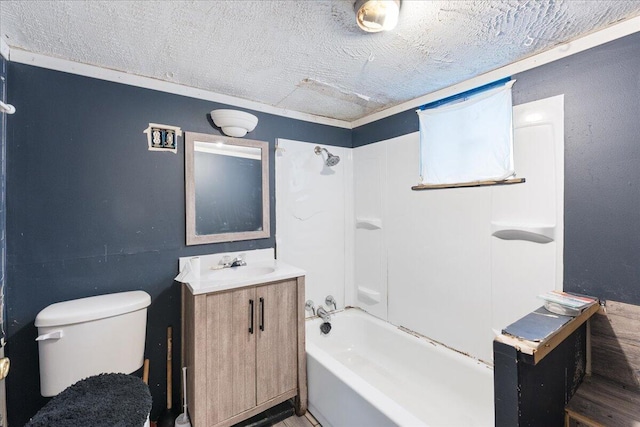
x,y
230,353
276,355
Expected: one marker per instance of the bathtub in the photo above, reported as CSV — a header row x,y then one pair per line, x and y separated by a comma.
x,y
367,372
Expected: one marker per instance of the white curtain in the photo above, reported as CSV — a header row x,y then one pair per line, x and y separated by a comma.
x,y
467,141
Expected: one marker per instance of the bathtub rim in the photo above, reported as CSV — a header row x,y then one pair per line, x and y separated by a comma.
x,y
413,335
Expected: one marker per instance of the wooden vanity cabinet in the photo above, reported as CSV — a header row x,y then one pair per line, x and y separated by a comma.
x,y
244,351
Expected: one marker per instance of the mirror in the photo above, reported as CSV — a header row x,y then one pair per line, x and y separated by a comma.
x,y
227,188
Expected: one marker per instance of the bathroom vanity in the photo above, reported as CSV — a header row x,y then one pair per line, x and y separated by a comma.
x,y
243,341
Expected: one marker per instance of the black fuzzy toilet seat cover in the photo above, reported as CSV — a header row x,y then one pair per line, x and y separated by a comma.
x,y
102,400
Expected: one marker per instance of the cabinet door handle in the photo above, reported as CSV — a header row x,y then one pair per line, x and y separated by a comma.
x,y
262,314
250,316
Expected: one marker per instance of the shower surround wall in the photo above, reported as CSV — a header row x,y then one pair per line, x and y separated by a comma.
x,y
434,262
369,288
424,260
314,211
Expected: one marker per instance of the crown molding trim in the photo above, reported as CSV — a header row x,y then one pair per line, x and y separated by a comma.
x,y
4,49
67,66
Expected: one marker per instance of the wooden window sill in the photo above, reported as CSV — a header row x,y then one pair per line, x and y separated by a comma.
x,y
420,187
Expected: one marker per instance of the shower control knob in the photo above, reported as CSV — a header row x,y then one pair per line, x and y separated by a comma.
x,y
330,301
309,306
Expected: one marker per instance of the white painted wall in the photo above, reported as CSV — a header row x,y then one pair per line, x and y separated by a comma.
x,y
426,260
314,217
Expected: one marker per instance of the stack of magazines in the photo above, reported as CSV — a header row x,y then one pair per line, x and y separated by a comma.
x,y
565,304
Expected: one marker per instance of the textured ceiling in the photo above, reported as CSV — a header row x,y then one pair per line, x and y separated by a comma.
x,y
307,55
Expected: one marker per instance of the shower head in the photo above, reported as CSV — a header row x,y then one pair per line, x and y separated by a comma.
x,y
331,159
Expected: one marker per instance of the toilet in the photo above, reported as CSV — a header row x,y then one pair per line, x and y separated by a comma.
x,y
85,337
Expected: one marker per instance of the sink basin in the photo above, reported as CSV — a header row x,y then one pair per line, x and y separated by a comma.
x,y
237,273
262,267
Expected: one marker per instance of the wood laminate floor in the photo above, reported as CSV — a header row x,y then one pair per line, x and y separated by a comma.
x,y
306,420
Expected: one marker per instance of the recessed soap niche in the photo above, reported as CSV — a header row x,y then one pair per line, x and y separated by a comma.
x,y
163,137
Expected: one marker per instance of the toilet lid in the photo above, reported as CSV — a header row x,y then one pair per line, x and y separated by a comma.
x,y
102,400
92,308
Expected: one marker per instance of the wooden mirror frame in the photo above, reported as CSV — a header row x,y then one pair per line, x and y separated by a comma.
x,y
190,201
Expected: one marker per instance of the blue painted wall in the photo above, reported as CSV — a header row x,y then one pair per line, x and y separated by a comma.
x,y
602,154
92,211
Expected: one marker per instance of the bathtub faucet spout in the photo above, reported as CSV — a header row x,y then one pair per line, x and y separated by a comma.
x,y
323,314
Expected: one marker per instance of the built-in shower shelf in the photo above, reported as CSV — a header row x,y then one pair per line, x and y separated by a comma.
x,y
537,233
368,295
369,223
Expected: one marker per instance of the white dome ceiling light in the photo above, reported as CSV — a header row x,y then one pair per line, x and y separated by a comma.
x,y
377,15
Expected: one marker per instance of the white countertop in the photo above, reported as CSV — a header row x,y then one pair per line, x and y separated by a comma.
x,y
254,273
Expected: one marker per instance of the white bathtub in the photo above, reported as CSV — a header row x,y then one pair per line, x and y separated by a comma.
x,y
367,372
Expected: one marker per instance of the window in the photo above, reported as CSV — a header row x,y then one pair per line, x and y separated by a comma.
x,y
468,138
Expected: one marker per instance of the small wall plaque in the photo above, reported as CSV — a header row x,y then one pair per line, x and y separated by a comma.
x,y
163,137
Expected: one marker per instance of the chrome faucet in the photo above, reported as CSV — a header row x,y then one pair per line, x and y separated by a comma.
x,y
309,306
331,301
239,261
227,262
324,314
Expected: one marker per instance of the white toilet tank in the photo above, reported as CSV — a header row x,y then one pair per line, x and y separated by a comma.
x,y
90,336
